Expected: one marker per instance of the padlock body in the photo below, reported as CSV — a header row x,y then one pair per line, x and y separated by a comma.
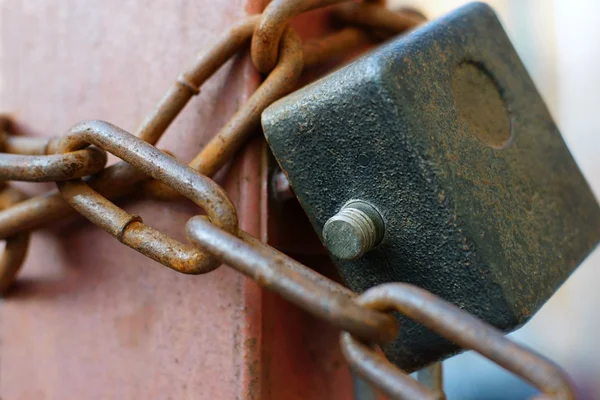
x,y
444,132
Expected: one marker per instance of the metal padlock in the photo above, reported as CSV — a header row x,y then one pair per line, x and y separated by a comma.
x,y
434,161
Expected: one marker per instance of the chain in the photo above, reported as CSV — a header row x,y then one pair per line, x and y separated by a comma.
x,y
277,52
16,246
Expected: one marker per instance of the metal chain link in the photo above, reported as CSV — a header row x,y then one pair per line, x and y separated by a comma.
x,y
276,50
16,245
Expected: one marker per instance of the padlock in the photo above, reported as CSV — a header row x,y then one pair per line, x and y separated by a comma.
x,y
434,161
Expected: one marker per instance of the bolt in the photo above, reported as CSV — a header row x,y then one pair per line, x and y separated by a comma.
x,y
355,230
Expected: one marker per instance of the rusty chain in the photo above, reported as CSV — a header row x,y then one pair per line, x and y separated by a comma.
x,y
16,246
277,52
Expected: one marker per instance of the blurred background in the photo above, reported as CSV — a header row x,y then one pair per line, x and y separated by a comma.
x,y
559,42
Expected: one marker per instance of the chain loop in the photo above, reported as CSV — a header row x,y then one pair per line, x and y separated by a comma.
x,y
456,325
120,179
246,120
50,168
129,229
16,246
302,286
29,146
31,159
381,373
275,17
189,81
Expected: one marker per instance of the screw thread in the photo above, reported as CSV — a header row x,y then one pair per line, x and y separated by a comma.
x,y
354,230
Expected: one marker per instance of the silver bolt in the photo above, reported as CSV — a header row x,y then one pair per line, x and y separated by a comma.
x,y
356,229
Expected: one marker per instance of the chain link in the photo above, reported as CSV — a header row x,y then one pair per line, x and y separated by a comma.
x,y
268,33
276,51
16,246
33,159
128,228
461,328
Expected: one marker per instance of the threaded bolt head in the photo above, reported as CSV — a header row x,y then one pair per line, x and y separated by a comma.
x,y
356,229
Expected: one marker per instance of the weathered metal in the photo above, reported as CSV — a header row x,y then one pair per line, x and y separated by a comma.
x,y
445,134
235,133
461,328
302,286
269,31
129,228
16,246
372,366
113,182
49,168
31,159
355,230
120,179
278,13
219,235
307,289
91,318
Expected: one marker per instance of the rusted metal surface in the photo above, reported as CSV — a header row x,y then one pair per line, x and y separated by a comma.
x,y
444,133
218,234
88,317
188,83
113,182
281,80
275,18
128,228
381,24
381,373
461,328
48,168
235,133
307,289
120,179
293,281
301,355
32,146
16,246
31,159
